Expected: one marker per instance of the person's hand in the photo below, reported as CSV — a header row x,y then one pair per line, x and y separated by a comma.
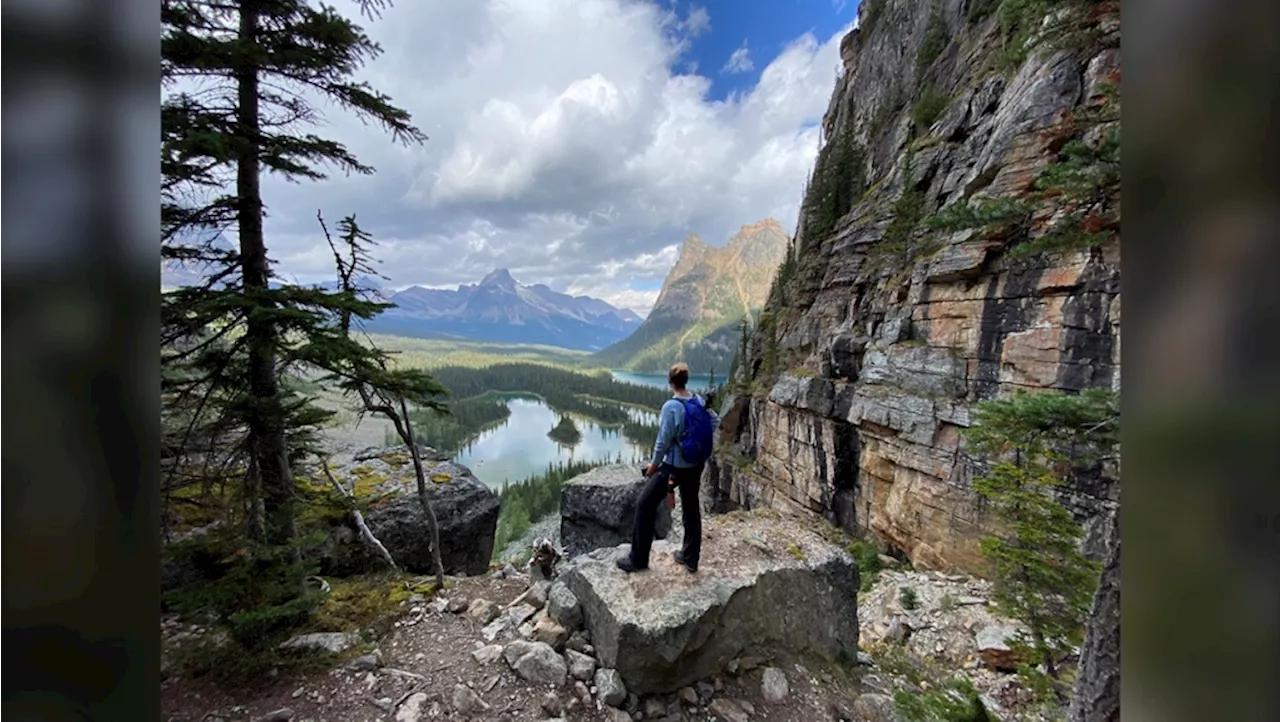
x,y
650,470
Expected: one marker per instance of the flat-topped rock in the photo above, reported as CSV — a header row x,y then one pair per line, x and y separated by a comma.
x,y
763,581
465,508
597,509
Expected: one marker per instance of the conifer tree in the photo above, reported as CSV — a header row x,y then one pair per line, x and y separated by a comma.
x,y
241,78
1041,577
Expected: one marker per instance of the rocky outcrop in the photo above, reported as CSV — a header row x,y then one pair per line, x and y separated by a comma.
x,y
597,509
465,508
1097,689
867,362
763,582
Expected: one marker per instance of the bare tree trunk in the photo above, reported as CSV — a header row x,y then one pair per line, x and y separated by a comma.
x,y
266,417
365,531
255,524
433,525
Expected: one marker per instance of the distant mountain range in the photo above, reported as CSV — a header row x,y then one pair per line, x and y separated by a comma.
x,y
500,309
703,299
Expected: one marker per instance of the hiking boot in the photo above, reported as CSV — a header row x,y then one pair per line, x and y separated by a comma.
x,y
624,563
679,557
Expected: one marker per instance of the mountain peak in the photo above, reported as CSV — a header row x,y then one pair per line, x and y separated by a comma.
x,y
500,278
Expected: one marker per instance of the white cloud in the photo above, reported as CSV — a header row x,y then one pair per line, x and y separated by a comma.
x,y
568,143
698,21
739,61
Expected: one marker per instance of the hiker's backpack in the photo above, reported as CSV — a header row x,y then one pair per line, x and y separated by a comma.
x,y
695,445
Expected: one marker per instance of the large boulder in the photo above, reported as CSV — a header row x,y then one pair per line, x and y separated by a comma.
x,y
597,509
465,508
763,581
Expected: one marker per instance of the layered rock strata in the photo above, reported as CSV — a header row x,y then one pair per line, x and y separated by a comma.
x,y
879,358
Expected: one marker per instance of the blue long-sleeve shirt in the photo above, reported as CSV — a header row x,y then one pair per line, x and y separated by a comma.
x,y
666,450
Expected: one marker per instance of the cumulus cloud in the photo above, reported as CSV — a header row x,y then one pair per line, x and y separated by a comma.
x,y
739,61
568,142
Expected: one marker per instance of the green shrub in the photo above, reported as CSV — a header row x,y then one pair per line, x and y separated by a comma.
x,y
934,42
927,109
908,598
947,603
979,10
256,593
953,701
869,564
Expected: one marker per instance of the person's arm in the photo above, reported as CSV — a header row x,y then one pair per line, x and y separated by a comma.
x,y
666,433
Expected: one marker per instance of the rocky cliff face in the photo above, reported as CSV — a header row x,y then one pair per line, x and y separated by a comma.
x,y
703,298
892,322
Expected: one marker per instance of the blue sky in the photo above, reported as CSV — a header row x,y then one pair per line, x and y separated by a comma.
x,y
574,142
763,27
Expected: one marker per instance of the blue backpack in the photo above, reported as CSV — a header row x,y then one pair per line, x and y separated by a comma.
x,y
695,445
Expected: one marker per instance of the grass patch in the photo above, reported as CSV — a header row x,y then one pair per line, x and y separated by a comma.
x,y
796,552
367,602
869,564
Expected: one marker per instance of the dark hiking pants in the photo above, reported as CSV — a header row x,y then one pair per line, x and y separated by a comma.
x,y
654,493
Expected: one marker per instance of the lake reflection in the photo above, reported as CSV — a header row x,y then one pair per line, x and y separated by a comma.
x,y
520,448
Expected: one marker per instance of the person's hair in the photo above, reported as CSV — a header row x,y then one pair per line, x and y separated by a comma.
x,y
678,376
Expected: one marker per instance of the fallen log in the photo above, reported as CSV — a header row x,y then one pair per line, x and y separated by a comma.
x,y
365,532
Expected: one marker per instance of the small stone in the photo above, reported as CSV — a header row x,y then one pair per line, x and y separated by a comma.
x,y
466,701
688,696
415,599
538,594
549,632
299,692
488,653
610,687
457,605
747,706
728,710
385,704
563,606
551,704
874,707
367,662
536,662
520,614
493,629
746,664
774,684
653,707
617,715
583,693
483,611
581,666
705,689
284,714
865,659
578,643
332,642
993,647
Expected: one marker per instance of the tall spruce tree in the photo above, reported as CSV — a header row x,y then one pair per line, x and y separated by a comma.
x,y
242,79
1041,579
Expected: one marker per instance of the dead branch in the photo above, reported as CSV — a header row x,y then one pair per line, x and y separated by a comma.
x,y
364,528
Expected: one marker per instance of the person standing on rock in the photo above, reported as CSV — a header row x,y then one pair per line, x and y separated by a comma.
x,y
685,433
